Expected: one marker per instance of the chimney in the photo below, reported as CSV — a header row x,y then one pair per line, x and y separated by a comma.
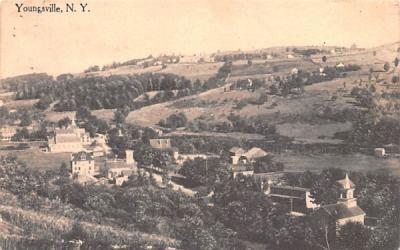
x,y
129,157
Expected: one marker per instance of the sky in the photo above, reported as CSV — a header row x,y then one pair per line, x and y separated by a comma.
x,y
119,30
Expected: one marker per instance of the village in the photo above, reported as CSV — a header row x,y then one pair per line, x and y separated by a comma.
x,y
246,148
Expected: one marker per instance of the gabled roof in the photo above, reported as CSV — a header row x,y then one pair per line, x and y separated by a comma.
x,y
82,156
255,153
341,210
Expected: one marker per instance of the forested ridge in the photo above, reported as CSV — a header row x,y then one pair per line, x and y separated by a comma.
x,y
99,92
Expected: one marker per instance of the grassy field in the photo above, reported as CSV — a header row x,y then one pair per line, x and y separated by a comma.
x,y
13,104
201,71
313,132
34,158
350,162
240,68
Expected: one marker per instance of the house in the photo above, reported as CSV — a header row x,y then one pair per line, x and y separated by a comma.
x,y
239,155
345,210
294,71
82,164
340,65
379,152
298,199
160,143
6,133
290,56
70,139
235,153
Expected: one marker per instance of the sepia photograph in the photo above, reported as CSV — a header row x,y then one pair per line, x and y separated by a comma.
x,y
200,124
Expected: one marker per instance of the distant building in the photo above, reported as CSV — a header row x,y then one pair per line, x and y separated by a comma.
x,y
345,210
253,154
239,155
6,133
235,154
120,170
71,139
340,65
379,152
294,71
82,163
160,143
290,56
298,199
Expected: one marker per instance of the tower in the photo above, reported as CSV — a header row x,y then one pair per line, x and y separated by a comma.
x,y
129,157
347,192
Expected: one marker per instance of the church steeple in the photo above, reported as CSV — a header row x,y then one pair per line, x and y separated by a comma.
x,y
347,192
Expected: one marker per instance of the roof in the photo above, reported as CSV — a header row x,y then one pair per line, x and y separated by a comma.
x,y
68,139
346,183
237,150
82,156
292,188
341,211
255,153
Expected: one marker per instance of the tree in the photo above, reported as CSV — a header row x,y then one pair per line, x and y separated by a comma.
x,y
64,170
203,171
324,58
396,62
174,121
83,113
65,122
249,62
386,66
26,120
353,236
119,116
325,190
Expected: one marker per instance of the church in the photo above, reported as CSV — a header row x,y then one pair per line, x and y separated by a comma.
x,y
345,210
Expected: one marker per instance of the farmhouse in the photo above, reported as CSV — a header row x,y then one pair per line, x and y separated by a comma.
x,y
345,210
6,133
253,154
